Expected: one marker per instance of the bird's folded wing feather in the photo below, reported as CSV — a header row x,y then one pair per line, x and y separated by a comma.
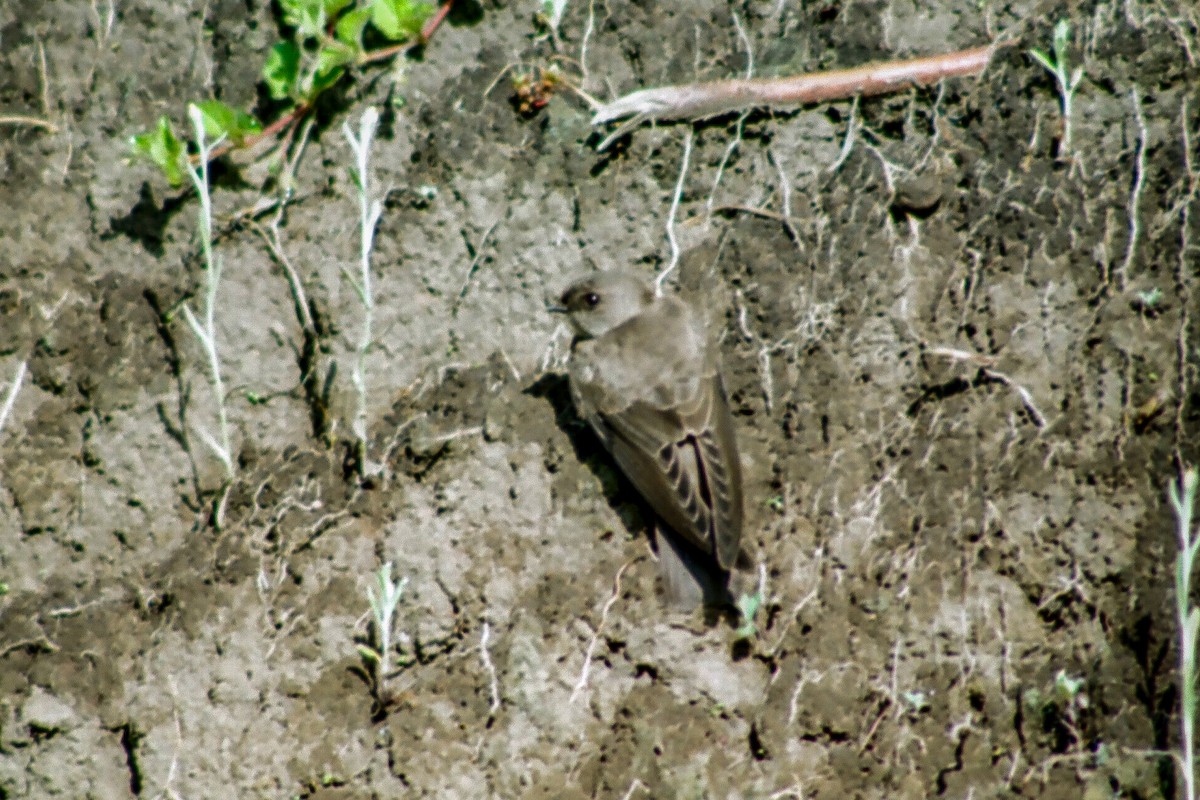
x,y
670,432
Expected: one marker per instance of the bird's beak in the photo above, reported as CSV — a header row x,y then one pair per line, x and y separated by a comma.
x,y
553,303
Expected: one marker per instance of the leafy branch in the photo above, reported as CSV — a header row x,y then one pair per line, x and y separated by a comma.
x,y
328,37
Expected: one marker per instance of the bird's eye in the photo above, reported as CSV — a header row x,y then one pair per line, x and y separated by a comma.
x,y
592,299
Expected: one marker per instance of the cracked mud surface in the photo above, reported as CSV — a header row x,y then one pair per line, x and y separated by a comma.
x,y
962,370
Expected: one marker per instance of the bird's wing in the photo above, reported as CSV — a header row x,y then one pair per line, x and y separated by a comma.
x,y
672,435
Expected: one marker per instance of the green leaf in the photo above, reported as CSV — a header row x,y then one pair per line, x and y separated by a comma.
x,y
322,79
554,10
748,605
306,16
282,70
332,56
1043,59
334,7
349,28
400,19
162,148
1062,39
222,120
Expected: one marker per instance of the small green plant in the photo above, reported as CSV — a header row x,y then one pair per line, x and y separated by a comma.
x,y
1183,503
205,330
327,39
1069,691
915,701
369,210
384,596
748,605
1148,302
1067,79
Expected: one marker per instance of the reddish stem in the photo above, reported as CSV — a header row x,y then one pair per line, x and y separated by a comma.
x,y
435,21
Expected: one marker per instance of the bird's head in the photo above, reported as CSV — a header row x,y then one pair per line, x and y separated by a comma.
x,y
600,301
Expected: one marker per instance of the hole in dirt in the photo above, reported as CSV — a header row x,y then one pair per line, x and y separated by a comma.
x,y
757,750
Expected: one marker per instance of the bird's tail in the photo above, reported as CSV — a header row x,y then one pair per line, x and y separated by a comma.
x,y
691,578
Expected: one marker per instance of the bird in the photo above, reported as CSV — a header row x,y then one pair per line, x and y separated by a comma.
x,y
646,376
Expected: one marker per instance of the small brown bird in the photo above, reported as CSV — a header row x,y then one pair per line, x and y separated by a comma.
x,y
646,376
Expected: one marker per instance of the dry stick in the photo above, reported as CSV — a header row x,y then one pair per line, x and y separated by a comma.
x,y
701,100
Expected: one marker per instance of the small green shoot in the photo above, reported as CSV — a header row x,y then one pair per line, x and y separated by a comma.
x,y
748,605
163,149
1067,79
1069,689
1148,301
916,701
1183,503
384,596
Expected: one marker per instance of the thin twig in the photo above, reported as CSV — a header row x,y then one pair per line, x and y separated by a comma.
x,y
299,298
701,100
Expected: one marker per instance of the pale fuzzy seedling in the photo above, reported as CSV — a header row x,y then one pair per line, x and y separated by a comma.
x,y
370,208
384,596
1184,505
205,330
1067,79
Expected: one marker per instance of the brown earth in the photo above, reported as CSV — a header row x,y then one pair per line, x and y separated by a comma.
x,y
963,364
